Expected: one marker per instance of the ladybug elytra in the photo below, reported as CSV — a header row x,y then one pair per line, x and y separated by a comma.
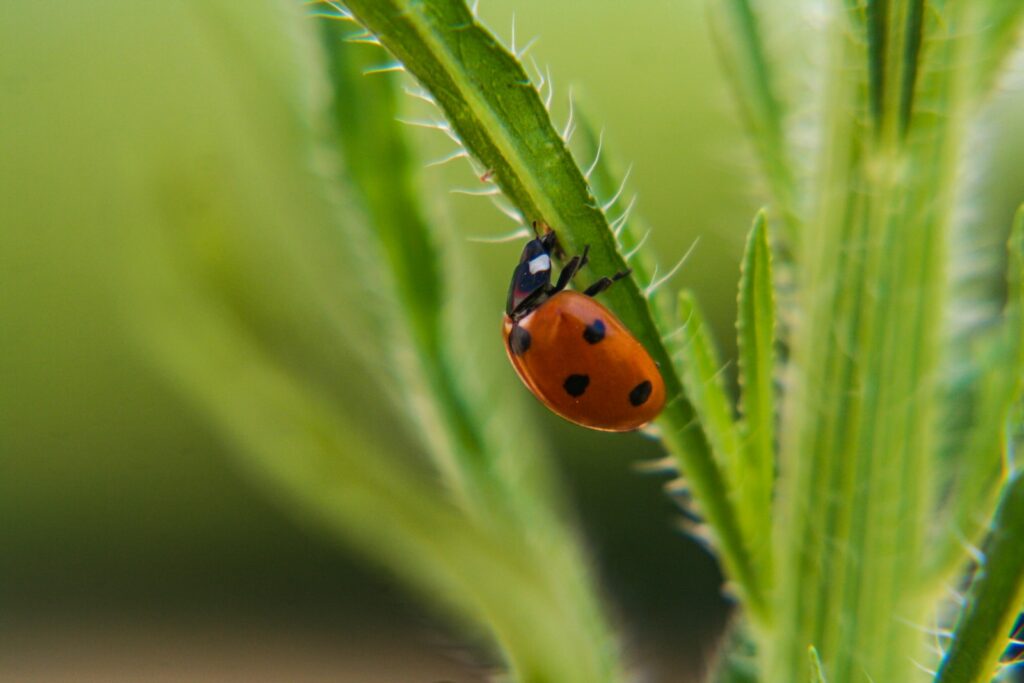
x,y
572,352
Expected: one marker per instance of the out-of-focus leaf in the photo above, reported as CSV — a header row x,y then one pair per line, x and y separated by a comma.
x,y
756,331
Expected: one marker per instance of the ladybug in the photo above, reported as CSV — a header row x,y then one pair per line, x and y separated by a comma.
x,y
572,352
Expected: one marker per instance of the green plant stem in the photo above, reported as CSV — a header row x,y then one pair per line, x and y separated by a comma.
x,y
493,107
860,404
495,110
995,598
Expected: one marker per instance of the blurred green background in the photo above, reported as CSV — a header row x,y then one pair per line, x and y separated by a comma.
x,y
130,542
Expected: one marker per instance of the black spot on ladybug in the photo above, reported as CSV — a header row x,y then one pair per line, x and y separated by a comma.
x,y
594,332
575,385
519,340
641,392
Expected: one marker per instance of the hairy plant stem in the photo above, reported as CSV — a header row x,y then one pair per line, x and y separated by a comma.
x,y
495,111
861,399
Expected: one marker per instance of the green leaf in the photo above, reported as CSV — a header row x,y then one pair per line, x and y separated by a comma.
x,y
720,499
493,107
495,110
225,267
702,376
857,440
756,328
995,597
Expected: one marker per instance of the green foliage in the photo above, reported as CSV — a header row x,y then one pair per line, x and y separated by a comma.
x,y
497,113
995,598
841,545
755,477
835,517
492,105
494,473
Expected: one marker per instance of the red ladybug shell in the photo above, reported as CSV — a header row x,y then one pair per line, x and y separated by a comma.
x,y
583,364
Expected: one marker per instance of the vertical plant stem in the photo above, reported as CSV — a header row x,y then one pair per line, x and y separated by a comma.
x,y
496,112
860,406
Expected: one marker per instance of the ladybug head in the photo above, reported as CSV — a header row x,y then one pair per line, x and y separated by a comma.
x,y
532,277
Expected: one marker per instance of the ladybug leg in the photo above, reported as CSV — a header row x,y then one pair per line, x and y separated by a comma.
x,y
604,283
570,270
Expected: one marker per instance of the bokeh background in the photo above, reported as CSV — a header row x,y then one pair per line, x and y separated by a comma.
x,y
132,546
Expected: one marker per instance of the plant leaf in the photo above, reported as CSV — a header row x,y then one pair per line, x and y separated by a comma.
x,y
702,376
995,597
494,109
756,333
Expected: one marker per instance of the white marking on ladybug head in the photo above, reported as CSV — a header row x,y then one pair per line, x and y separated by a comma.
x,y
539,264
